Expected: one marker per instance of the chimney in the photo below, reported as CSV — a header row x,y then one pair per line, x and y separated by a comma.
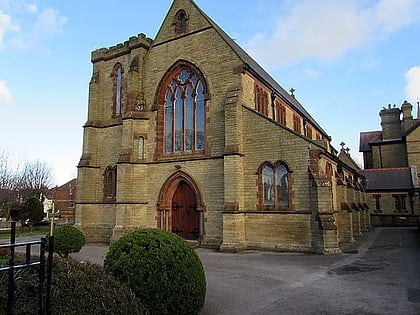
x,y
407,120
391,124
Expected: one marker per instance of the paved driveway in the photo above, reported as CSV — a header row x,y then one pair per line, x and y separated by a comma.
x,y
379,274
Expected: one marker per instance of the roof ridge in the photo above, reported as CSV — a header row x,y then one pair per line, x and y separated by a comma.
x,y
254,65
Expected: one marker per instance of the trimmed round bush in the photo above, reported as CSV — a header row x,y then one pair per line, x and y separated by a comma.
x,y
67,239
76,288
161,268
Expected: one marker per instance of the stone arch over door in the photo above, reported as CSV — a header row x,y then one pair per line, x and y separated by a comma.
x,y
180,209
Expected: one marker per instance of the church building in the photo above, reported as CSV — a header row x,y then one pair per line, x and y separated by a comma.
x,y
187,133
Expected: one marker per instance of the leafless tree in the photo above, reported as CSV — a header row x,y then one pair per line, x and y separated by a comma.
x,y
16,182
35,175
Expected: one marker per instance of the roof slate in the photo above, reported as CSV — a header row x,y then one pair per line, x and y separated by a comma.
x,y
388,179
368,137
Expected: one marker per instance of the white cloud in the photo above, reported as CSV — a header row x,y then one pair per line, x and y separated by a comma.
x,y
33,27
328,29
48,23
5,93
5,25
32,8
413,84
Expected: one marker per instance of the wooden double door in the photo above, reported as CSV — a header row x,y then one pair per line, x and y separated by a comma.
x,y
185,217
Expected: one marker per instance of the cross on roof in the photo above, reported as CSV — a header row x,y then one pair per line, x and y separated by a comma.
x,y
292,91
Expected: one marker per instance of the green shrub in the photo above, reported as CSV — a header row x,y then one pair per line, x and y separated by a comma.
x,y
76,288
68,239
161,268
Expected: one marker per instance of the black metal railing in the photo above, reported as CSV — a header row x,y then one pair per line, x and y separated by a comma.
x,y
44,269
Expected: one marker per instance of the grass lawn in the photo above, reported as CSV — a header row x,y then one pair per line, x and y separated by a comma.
x,y
26,232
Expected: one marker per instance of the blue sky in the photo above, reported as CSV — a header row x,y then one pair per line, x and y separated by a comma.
x,y
346,59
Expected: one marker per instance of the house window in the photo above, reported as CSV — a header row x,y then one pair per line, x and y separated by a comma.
x,y
399,203
110,184
281,113
117,75
274,186
261,100
141,148
377,203
184,113
181,22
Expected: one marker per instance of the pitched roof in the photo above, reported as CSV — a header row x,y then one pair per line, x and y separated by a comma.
x,y
368,137
388,179
416,123
259,71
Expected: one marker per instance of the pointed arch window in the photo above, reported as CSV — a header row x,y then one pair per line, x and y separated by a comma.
x,y
184,112
110,183
261,100
280,113
274,188
117,74
181,22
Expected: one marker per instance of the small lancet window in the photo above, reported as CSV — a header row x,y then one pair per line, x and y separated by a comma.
x,y
141,148
110,183
181,22
117,74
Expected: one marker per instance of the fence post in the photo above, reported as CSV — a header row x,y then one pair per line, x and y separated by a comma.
x,y
49,273
42,276
11,286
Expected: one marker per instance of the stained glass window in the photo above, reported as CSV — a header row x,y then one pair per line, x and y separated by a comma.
x,y
275,186
184,113
268,184
282,183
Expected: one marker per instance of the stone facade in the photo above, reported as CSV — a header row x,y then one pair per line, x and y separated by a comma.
x,y
187,133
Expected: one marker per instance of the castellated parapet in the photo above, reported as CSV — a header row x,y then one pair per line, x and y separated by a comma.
x,y
134,42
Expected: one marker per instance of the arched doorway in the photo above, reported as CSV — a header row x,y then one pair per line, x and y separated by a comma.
x,y
185,217
180,210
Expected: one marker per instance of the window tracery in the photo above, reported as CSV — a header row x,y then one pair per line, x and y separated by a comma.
x,y
184,111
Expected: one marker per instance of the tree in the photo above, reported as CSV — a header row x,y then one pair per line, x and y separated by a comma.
x,y
34,175
30,209
17,181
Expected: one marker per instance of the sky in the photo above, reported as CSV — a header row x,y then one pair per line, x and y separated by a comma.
x,y
346,60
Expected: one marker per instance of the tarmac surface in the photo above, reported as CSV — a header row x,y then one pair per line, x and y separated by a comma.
x,y
378,274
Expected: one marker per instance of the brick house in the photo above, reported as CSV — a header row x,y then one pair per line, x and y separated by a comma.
x,y
64,198
187,133
391,160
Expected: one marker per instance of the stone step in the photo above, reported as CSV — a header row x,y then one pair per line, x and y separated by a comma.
x,y
193,243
